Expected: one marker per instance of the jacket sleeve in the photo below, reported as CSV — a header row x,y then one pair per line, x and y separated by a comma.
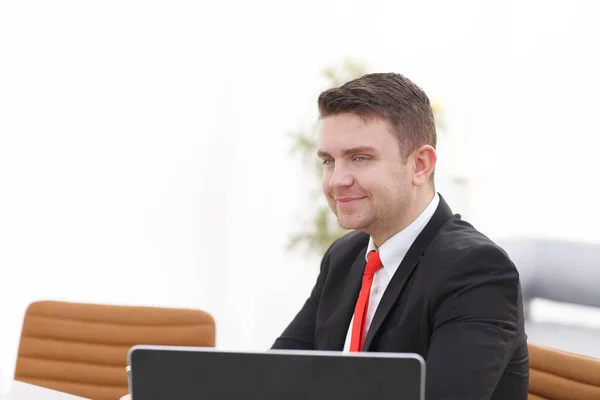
x,y
475,323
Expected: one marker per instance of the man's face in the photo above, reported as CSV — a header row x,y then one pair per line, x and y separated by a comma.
x,y
366,181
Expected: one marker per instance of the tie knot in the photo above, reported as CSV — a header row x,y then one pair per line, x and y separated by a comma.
x,y
373,263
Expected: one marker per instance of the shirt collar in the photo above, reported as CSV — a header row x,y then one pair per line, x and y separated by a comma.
x,y
392,252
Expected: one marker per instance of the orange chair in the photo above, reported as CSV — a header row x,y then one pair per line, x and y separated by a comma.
x,y
82,348
559,375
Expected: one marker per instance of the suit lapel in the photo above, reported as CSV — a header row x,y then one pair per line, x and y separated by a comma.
x,y
335,336
407,266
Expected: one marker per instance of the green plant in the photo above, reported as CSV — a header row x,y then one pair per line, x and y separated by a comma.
x,y
322,228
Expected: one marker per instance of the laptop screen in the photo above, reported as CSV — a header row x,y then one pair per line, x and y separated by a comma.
x,y
202,373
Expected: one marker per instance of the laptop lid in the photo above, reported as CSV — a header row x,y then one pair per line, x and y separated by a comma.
x,y
167,372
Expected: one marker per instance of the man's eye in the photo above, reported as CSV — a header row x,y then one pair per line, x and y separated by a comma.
x,y
360,158
327,161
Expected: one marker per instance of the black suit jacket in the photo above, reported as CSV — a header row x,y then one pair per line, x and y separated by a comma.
x,y
455,300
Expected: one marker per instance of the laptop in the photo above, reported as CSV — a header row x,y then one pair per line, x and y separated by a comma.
x,y
168,372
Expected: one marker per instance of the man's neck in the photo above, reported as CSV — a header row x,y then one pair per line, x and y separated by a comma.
x,y
411,214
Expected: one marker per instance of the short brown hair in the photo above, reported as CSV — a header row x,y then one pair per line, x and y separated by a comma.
x,y
390,97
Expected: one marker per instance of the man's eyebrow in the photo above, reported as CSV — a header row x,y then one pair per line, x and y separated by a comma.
x,y
358,150
349,152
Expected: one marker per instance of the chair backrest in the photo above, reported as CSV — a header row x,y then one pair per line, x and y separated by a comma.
x,y
82,348
557,270
557,375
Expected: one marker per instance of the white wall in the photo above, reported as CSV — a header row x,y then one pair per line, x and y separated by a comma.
x,y
537,144
143,158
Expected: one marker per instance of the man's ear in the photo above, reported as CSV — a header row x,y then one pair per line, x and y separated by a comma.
x,y
424,158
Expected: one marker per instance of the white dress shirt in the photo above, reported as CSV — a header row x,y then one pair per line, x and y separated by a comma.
x,y
392,253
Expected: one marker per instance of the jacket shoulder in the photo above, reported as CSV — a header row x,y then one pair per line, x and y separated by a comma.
x,y
458,237
348,246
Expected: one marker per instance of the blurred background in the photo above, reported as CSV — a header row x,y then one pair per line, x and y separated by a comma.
x,y
146,148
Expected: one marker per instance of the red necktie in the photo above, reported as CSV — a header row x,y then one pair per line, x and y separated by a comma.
x,y
360,312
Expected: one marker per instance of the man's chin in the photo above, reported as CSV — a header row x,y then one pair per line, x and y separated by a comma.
x,y
349,224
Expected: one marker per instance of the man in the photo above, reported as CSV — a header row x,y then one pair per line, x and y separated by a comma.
x,y
428,281
412,277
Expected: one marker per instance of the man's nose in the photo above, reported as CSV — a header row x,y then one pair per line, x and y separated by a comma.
x,y
340,177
